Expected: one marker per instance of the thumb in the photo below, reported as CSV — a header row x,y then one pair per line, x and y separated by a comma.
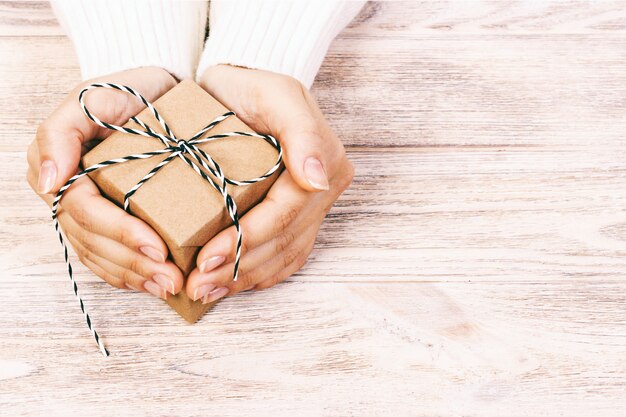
x,y
305,151
59,156
304,160
60,138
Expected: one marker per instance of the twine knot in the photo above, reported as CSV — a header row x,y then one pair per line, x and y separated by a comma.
x,y
182,146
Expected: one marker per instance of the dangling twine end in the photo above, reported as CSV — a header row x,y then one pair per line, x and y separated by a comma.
x,y
105,352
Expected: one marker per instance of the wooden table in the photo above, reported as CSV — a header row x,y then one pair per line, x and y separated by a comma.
x,y
476,267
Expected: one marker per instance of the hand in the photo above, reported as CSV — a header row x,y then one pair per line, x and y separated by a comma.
x,y
279,233
119,248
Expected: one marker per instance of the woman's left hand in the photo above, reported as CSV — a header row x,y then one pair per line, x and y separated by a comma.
x,y
279,233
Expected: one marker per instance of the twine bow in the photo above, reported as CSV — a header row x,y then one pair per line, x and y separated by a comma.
x,y
187,150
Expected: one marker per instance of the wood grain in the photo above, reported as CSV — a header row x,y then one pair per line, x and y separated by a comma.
x,y
474,268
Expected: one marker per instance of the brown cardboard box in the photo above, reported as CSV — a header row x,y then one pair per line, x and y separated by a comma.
x,y
182,207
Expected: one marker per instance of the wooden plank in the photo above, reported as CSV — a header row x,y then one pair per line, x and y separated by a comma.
x,y
451,90
475,267
324,349
388,18
475,90
458,90
385,18
28,18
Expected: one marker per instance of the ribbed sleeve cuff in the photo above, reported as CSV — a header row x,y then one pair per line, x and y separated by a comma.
x,y
115,35
288,37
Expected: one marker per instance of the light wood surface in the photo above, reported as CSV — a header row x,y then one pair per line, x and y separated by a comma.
x,y
476,267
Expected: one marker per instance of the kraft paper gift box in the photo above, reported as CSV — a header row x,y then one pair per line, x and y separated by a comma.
x,y
183,208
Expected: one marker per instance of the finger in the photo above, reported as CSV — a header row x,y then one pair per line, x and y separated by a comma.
x,y
128,262
282,275
61,136
255,266
270,218
107,276
100,216
309,145
116,275
31,177
284,110
288,270
134,280
108,271
296,254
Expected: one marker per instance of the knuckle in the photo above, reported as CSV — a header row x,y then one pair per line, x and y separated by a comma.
x,y
347,175
254,106
80,253
245,245
87,243
286,218
136,265
289,257
85,256
308,126
247,279
293,84
42,131
32,154
123,235
271,281
301,125
118,105
284,240
115,282
277,278
85,240
30,178
289,81
302,259
327,208
127,231
126,275
81,217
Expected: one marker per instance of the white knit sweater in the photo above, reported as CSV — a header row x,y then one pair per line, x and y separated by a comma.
x,y
288,37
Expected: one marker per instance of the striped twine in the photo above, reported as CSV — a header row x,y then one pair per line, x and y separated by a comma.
x,y
187,150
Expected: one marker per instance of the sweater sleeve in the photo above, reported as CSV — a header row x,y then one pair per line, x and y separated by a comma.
x,y
114,35
288,37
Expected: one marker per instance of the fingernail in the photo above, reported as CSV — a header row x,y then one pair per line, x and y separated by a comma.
x,y
152,253
130,287
202,290
315,174
165,282
211,263
215,295
155,289
47,177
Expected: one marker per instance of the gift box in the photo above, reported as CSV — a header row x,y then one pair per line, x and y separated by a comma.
x,y
182,207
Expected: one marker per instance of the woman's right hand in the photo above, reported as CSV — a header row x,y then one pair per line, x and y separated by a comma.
x,y
119,248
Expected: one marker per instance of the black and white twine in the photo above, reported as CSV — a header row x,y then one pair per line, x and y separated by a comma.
x,y
187,150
